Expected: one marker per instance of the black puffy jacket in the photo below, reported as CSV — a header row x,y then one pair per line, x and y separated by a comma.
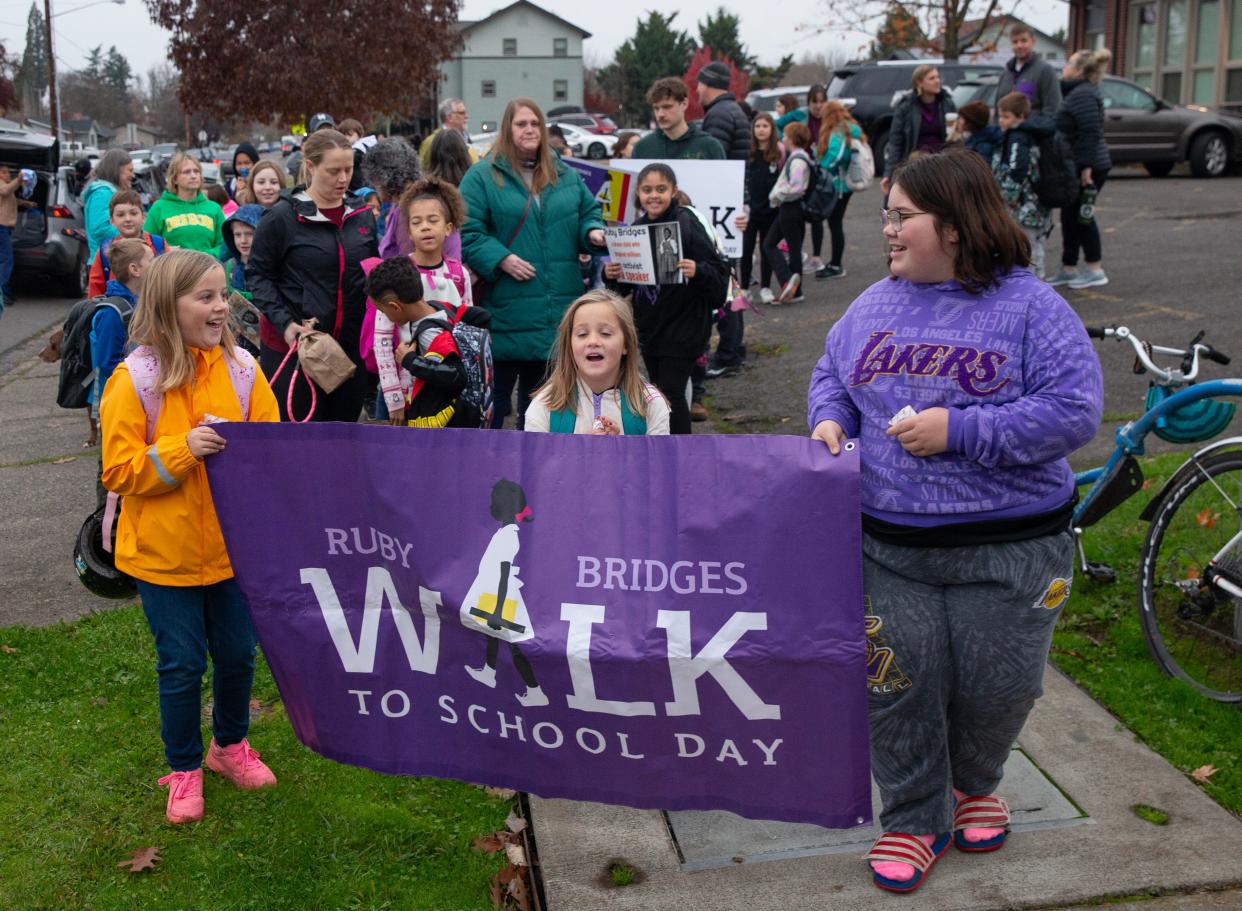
x,y
1081,120
302,265
725,120
903,135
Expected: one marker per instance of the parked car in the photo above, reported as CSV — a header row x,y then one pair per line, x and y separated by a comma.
x,y
1143,129
50,237
870,89
163,150
764,100
593,123
587,144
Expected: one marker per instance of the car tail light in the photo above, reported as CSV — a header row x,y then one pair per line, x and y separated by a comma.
x,y
61,212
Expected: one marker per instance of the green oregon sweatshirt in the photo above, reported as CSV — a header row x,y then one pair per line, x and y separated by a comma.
x,y
194,225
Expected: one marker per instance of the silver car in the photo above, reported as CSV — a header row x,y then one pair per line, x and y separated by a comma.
x,y
50,237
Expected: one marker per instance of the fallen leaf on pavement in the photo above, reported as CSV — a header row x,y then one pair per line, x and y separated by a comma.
x,y
502,793
516,855
489,844
515,823
1203,773
141,859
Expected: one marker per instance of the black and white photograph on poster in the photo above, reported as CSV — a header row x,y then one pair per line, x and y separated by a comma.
x,y
666,238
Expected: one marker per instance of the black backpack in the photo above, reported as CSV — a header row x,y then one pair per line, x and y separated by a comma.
x,y
821,196
1057,184
77,373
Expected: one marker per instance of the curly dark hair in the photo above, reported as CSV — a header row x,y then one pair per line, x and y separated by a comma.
x,y
396,276
442,191
390,166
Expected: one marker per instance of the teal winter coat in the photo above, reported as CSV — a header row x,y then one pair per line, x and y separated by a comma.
x,y
95,215
525,314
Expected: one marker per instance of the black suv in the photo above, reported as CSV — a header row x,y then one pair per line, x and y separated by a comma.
x,y
868,90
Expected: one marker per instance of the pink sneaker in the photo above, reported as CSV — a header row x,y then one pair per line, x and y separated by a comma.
x,y
185,796
240,764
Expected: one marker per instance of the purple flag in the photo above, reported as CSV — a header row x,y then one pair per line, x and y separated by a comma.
x,y
654,622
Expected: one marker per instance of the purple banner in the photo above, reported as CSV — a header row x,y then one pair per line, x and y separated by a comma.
x,y
655,622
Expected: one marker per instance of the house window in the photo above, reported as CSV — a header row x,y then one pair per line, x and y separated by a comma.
x,y
560,47
1175,35
510,47
560,90
489,88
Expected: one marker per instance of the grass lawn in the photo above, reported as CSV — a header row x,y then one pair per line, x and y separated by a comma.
x,y
1099,642
78,793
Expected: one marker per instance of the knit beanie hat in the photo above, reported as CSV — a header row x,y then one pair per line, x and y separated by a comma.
x,y
715,75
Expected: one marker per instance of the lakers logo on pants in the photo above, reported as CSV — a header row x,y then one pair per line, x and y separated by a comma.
x,y
884,677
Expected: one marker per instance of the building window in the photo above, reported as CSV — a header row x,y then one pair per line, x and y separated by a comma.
x,y
510,47
1175,34
1171,87
1233,87
489,88
560,90
1145,51
560,47
1235,32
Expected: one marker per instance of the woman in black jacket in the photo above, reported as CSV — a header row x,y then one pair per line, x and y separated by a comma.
x,y
919,118
1081,120
306,263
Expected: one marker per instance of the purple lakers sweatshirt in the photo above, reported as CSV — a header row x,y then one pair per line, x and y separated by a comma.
x,y
1014,368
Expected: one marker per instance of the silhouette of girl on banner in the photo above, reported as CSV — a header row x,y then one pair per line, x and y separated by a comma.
x,y
494,604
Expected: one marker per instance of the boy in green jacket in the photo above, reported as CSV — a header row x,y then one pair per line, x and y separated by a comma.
x,y
675,139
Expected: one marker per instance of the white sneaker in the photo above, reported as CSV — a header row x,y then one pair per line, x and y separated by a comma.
x,y
766,296
486,675
1064,277
1092,278
533,697
790,288
814,264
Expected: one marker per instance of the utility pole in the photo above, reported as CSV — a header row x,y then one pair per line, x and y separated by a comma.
x,y
53,103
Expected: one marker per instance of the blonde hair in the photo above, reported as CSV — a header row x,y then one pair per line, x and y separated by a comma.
x,y
1091,63
174,168
545,169
921,72
562,386
316,147
169,277
125,252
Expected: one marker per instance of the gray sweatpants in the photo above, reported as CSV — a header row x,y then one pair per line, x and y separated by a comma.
x,y
956,644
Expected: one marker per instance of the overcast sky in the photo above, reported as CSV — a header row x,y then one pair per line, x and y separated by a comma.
x,y
769,37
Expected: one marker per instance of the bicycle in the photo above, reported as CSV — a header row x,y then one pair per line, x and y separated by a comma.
x,y
1190,577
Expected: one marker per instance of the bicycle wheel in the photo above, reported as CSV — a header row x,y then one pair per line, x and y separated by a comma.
x,y
1194,629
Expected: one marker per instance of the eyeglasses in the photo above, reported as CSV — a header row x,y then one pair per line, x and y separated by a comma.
x,y
894,216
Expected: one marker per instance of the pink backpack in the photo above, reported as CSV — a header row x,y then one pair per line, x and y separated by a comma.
x,y
144,372
366,338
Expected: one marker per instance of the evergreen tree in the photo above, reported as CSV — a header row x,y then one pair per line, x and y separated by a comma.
x,y
31,79
655,50
720,33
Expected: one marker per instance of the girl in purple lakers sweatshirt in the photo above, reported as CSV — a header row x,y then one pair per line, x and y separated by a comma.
x,y
967,382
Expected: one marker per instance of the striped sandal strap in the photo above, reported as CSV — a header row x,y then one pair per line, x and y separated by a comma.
x,y
980,813
898,847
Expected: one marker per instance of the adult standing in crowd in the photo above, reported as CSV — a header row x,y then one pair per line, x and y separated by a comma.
x,y
183,216
390,167
529,216
453,116
813,116
724,119
676,137
1027,73
115,171
245,157
306,263
838,130
919,121
1081,120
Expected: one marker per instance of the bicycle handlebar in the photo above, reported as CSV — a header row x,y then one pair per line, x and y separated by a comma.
x,y
1143,351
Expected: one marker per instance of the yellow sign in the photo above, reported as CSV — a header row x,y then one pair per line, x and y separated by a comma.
x,y
298,129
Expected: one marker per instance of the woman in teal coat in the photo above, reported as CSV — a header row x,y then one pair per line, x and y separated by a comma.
x,y
529,218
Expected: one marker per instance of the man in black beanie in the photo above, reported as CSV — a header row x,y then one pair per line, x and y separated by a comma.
x,y
724,119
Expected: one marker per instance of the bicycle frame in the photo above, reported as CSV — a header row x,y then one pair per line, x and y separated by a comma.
x,y
1130,440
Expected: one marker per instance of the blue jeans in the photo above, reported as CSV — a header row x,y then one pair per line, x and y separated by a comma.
x,y
188,624
6,264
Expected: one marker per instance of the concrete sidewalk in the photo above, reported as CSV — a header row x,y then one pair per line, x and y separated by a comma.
x,y
47,481
1076,744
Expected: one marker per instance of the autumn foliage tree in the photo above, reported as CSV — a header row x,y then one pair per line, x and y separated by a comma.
x,y
258,59
739,82
950,28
